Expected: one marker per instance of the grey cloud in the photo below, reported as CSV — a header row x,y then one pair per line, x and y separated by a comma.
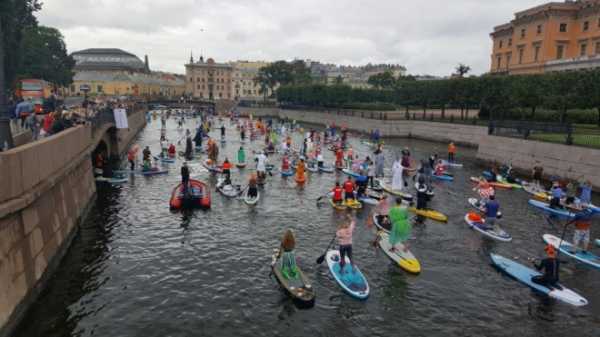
x,y
427,36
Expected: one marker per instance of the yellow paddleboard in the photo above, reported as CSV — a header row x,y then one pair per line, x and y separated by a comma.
x,y
430,213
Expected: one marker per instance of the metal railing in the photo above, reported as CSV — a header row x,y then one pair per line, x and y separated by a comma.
x,y
563,133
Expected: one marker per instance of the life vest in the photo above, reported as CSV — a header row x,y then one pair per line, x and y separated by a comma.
x,y
337,193
348,186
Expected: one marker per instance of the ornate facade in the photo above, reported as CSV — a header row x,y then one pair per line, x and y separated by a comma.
x,y
209,80
556,36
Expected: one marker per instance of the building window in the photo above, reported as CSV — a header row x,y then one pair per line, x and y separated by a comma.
x,y
99,88
521,52
539,29
508,57
536,55
72,88
560,52
198,86
583,49
500,44
586,26
191,79
523,32
510,42
597,48
563,28
198,79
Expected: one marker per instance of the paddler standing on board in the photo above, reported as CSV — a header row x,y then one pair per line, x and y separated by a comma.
x,y
397,172
401,227
339,158
451,152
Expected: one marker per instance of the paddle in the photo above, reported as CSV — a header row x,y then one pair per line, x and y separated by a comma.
x,y
321,258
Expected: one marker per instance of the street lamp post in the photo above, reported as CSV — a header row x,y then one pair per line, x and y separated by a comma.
x,y
6,139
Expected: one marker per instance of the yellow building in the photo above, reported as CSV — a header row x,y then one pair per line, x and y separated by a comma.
x,y
114,72
556,36
244,87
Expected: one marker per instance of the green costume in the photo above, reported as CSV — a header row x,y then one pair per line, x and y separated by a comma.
x,y
400,226
288,265
241,156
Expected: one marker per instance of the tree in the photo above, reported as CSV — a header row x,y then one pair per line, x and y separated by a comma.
x,y
44,56
17,15
339,80
462,70
283,73
384,80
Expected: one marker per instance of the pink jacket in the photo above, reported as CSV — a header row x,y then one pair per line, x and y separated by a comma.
x,y
344,235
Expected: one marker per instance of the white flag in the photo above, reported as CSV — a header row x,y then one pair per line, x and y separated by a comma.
x,y
121,118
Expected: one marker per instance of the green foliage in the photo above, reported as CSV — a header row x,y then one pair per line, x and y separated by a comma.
x,y
384,80
15,16
462,70
282,73
496,97
44,56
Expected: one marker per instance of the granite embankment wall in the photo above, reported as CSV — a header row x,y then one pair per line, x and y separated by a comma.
x,y
45,190
570,162
466,135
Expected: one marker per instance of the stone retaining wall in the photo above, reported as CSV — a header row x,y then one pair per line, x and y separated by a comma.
x,y
467,135
45,189
564,161
37,223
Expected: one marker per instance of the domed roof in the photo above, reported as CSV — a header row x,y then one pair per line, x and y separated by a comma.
x,y
97,59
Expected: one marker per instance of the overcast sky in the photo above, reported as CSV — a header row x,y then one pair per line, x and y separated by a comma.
x,y
428,36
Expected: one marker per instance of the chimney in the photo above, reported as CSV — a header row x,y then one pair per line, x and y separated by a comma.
x,y
146,64
191,57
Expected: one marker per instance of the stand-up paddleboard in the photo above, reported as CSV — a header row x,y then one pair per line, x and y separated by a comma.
x,y
478,206
451,164
559,212
598,242
568,249
493,184
350,279
338,206
297,286
381,227
368,200
312,168
229,190
397,193
353,174
212,168
429,213
249,200
442,177
479,225
113,180
154,171
524,274
405,259
326,169
287,173
167,160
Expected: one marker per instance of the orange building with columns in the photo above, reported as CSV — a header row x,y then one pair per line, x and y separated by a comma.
x,y
556,36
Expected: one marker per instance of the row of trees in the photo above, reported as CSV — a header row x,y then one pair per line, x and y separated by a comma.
x,y
282,73
493,95
31,50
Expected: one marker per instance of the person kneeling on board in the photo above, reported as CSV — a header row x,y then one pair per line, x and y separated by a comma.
x,y
550,265
289,269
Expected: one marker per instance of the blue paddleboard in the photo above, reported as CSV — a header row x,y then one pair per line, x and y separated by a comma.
x,y
524,274
351,280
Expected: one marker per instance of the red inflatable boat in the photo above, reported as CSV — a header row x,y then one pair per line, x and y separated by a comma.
x,y
198,196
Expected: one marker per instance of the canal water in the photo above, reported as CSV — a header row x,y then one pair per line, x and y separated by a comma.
x,y
136,269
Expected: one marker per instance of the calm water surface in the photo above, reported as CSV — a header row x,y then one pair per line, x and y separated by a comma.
x,y
136,269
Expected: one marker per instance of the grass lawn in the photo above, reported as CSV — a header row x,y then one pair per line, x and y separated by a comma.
x,y
589,140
